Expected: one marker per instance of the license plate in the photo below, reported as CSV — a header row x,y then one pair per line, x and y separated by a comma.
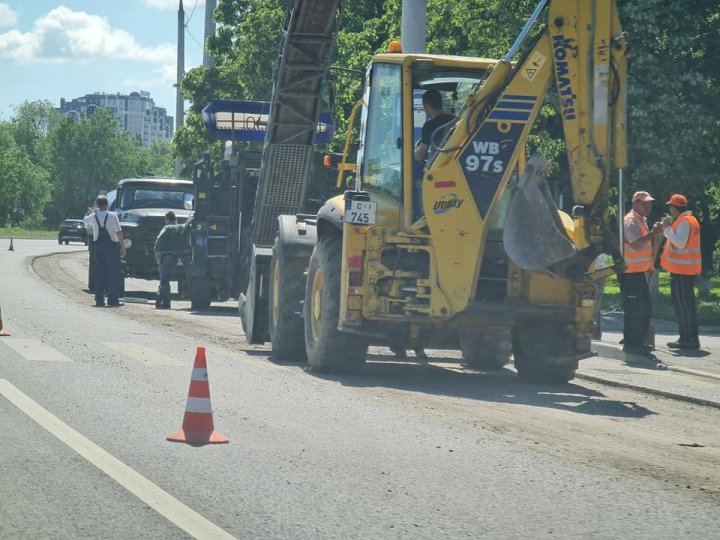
x,y
360,212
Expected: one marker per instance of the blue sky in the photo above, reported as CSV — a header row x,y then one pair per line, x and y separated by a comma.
x,y
52,49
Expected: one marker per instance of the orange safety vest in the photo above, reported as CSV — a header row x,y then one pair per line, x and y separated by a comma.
x,y
686,261
640,257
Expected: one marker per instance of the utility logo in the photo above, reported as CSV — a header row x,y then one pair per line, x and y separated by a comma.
x,y
567,95
447,203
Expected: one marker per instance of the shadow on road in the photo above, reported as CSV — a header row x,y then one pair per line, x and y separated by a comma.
x,y
502,386
215,311
693,353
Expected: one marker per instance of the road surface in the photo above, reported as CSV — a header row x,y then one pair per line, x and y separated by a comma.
x,y
404,450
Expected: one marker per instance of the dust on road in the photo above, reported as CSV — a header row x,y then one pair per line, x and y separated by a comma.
x,y
622,431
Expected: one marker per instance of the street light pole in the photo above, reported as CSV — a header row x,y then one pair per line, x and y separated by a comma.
x,y
208,60
179,103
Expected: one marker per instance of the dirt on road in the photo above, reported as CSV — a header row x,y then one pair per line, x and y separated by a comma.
x,y
625,432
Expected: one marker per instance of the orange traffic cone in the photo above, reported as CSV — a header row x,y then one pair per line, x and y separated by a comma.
x,y
11,248
198,428
3,332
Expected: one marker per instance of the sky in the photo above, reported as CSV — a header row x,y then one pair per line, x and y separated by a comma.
x,y
52,49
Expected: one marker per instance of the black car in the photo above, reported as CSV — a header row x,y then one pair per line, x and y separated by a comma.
x,y
72,229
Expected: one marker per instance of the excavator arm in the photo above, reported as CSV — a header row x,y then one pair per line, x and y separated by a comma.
x,y
581,51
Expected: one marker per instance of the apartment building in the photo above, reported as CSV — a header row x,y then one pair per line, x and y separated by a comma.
x,y
136,113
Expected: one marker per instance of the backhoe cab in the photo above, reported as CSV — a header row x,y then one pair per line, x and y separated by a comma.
x,y
462,251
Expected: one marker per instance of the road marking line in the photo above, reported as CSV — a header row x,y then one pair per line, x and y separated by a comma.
x,y
34,350
161,501
143,354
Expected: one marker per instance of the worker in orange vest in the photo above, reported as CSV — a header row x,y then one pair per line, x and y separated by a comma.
x,y
681,257
638,254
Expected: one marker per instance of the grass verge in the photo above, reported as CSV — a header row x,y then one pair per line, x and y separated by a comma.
x,y
16,232
708,309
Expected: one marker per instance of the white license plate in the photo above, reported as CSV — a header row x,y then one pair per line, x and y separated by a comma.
x,y
360,212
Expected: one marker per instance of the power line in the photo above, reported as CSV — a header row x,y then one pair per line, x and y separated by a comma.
x,y
193,38
191,13
187,24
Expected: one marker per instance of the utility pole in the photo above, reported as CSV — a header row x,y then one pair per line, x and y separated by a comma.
x,y
208,60
179,102
414,26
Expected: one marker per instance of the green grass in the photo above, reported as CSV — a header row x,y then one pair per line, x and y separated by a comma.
x,y
708,309
16,232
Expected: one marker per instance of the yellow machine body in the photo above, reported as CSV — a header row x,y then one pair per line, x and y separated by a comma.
x,y
426,246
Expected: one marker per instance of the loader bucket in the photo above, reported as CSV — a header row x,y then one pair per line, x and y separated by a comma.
x,y
533,235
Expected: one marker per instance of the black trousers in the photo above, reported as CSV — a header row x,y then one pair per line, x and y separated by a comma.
x,y
637,307
682,291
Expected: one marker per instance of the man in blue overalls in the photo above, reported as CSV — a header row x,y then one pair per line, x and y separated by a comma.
x,y
108,248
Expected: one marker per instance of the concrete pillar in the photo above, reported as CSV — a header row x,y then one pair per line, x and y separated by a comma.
x,y
414,26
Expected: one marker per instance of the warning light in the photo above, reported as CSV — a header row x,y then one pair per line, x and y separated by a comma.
x,y
394,47
327,160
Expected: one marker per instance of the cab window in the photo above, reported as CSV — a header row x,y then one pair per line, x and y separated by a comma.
x,y
382,149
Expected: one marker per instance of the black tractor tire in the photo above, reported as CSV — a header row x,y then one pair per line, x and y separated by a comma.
x,y
486,347
67,242
200,293
286,295
60,242
328,349
545,353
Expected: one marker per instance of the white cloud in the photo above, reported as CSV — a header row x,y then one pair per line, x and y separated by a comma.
x,y
168,5
66,34
8,17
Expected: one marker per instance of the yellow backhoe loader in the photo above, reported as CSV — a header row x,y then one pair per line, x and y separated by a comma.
x,y
468,251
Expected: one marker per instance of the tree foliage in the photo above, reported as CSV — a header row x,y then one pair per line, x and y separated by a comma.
x,y
673,96
673,100
51,166
23,184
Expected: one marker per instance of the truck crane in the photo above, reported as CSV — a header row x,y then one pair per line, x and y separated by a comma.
x,y
486,263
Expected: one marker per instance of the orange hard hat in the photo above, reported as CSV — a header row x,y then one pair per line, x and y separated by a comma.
x,y
677,200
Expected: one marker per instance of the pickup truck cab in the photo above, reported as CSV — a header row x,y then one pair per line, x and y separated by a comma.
x,y
141,205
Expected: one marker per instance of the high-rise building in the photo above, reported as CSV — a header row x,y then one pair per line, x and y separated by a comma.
x,y
136,113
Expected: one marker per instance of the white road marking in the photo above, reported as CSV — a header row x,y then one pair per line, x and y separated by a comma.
x,y
34,350
155,497
143,354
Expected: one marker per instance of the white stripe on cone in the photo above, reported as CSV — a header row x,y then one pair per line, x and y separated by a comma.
x,y
198,405
199,374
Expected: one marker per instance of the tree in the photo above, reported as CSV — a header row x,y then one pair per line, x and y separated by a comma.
x,y
157,159
32,122
23,185
88,156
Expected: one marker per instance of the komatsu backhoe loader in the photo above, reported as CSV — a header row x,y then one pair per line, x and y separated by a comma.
x,y
469,252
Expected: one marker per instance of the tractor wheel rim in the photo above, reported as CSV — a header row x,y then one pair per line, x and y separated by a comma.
x,y
316,308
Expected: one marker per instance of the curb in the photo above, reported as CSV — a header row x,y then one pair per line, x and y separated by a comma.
x,y
615,351
646,390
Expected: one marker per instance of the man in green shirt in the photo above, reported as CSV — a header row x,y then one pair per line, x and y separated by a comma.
x,y
169,247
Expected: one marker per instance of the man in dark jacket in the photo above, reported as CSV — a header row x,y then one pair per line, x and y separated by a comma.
x,y
169,247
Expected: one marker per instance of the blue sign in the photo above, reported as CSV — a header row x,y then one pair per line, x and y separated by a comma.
x,y
247,121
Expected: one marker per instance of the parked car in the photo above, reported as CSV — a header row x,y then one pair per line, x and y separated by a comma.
x,y
72,229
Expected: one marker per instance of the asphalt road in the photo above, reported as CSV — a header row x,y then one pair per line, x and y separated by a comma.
x,y
403,450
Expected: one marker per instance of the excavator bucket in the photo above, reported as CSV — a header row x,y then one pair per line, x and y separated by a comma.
x,y
534,236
